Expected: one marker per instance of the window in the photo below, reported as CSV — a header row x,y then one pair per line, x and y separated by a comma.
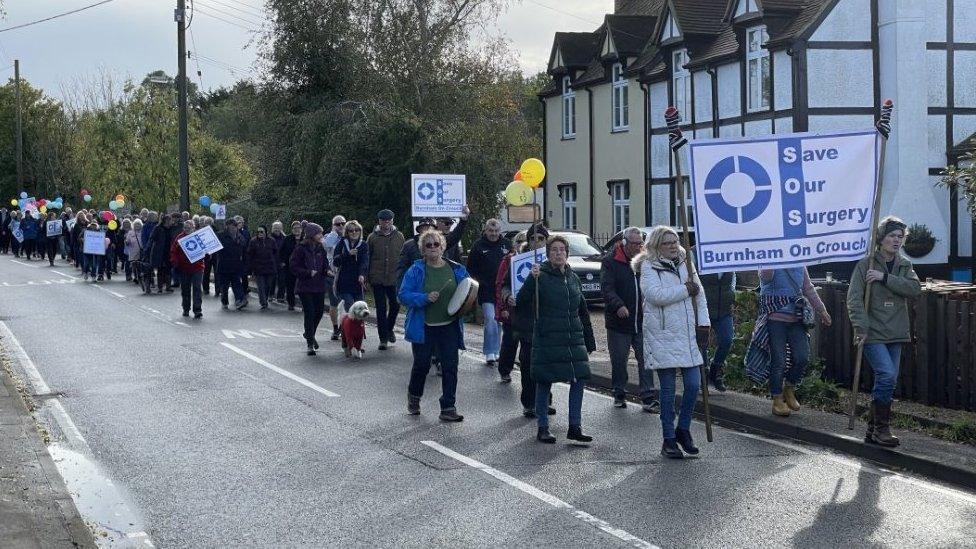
x,y
746,6
757,69
569,207
621,108
681,80
620,193
569,110
690,212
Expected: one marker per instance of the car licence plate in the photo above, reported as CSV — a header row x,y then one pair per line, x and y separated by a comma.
x,y
591,287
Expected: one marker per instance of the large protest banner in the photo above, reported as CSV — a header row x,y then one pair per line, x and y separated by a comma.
x,y
521,267
53,228
198,244
433,195
94,242
783,201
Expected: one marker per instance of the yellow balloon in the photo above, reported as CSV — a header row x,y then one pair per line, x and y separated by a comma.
x,y
518,193
533,172
113,224
43,209
121,203
13,201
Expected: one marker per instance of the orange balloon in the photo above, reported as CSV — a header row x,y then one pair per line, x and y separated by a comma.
x,y
518,176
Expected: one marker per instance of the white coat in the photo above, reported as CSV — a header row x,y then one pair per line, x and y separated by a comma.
x,y
669,314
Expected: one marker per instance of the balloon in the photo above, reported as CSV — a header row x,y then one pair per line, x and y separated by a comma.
x,y
43,209
518,193
214,207
113,205
84,192
533,172
518,176
23,194
113,224
88,198
121,203
205,201
120,198
107,216
41,202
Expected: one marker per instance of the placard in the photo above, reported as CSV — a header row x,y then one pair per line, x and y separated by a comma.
x,y
94,242
16,232
783,200
434,195
521,267
198,244
71,223
221,212
53,228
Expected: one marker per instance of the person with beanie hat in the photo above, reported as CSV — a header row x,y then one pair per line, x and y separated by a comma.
x,y
308,265
885,327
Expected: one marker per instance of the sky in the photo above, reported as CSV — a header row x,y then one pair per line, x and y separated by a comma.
x,y
130,38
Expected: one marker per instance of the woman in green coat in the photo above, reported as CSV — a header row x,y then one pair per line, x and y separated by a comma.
x,y
562,337
884,328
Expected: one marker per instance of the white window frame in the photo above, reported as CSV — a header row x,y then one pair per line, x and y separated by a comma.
x,y
759,96
676,222
681,83
570,212
569,109
620,99
620,199
750,7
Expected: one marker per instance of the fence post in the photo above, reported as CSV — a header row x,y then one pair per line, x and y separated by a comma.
x,y
922,342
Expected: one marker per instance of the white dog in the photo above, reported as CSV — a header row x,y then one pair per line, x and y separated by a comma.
x,y
353,328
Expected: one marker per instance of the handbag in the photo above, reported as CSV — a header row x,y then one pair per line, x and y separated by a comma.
x,y
804,309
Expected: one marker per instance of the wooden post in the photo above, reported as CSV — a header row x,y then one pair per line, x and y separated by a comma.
x,y
884,127
673,119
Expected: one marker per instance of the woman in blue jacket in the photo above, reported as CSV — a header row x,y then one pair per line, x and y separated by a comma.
x,y
351,258
427,288
30,227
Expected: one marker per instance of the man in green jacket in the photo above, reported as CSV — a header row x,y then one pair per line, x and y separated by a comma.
x,y
385,243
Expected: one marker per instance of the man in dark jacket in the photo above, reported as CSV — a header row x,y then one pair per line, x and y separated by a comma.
x,y
230,265
262,257
385,243
191,273
720,296
624,317
483,261
4,230
159,245
284,257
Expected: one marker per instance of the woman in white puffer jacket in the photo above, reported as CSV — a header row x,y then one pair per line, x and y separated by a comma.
x,y
671,337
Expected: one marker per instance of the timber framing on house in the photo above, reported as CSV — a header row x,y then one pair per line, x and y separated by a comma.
x,y
755,67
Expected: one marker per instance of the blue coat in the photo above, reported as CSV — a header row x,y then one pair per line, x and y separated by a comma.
x,y
30,227
413,296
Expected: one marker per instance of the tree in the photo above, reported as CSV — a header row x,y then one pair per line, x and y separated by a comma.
x,y
962,177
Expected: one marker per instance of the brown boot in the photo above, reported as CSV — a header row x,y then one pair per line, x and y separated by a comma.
x,y
868,436
779,407
882,426
789,396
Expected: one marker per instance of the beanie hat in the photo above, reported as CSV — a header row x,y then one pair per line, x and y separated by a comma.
x,y
385,215
312,230
537,229
889,225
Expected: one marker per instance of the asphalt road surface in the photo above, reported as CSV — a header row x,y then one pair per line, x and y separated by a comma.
x,y
221,432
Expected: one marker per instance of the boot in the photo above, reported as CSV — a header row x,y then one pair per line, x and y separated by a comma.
x,y
670,449
576,433
789,396
413,405
716,378
869,435
779,407
683,438
882,426
544,436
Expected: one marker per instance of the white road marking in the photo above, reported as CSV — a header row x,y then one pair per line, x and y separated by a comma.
x,y
65,274
545,497
116,294
33,376
278,370
24,264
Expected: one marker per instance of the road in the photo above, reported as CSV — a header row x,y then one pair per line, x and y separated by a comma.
x,y
221,432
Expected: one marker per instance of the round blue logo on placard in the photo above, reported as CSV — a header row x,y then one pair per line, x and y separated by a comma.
x,y
425,191
721,172
523,271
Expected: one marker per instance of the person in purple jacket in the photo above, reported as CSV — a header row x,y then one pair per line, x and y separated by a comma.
x,y
308,264
262,254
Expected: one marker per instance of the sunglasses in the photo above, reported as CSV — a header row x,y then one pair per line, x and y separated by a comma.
x,y
539,238
353,231
432,245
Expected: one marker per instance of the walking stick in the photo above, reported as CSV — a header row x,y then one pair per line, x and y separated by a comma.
x,y
676,141
884,128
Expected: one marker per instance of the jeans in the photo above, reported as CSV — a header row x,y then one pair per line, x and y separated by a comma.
x,y
782,334
722,326
443,339
192,287
619,345
542,395
692,384
313,307
509,347
493,342
235,281
93,264
265,287
884,358
387,309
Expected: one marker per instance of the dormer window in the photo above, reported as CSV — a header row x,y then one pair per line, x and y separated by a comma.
x,y
621,107
681,82
758,78
569,109
670,29
746,7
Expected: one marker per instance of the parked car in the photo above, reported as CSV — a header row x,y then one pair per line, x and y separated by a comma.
x,y
644,230
584,259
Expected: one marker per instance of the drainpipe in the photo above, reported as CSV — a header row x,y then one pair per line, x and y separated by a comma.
x,y
545,157
647,152
592,166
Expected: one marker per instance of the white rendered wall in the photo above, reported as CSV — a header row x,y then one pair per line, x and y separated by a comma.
x,y
840,78
849,20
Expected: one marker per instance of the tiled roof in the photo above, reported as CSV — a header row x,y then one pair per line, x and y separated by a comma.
x,y
782,5
577,48
798,25
638,7
725,44
700,16
630,32
594,73
645,59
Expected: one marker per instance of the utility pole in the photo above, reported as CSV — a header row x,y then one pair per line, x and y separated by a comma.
x,y
180,17
20,128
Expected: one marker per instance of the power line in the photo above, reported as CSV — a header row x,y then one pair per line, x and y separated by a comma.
x,y
217,17
15,27
205,59
229,14
193,41
250,12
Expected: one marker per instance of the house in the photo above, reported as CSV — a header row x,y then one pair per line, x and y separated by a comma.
x,y
757,67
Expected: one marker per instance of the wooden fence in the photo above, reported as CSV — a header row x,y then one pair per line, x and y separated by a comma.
x,y
937,368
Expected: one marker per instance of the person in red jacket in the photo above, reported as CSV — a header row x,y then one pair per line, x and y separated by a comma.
x,y
192,273
504,303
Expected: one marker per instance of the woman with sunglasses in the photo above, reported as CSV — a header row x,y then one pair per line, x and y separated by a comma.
x,y
351,259
427,289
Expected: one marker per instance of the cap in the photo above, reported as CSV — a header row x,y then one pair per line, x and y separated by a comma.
x,y
429,221
537,229
385,215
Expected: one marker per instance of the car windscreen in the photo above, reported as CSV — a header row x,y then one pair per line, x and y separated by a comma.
x,y
581,245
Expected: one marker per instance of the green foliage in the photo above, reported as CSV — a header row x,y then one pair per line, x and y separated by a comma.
x,y
963,177
959,431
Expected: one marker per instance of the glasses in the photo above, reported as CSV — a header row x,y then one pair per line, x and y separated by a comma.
x,y
432,245
633,242
669,243
261,232
353,231
538,238
338,224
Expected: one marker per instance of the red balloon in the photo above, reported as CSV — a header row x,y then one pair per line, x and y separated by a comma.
x,y
84,192
107,216
41,202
